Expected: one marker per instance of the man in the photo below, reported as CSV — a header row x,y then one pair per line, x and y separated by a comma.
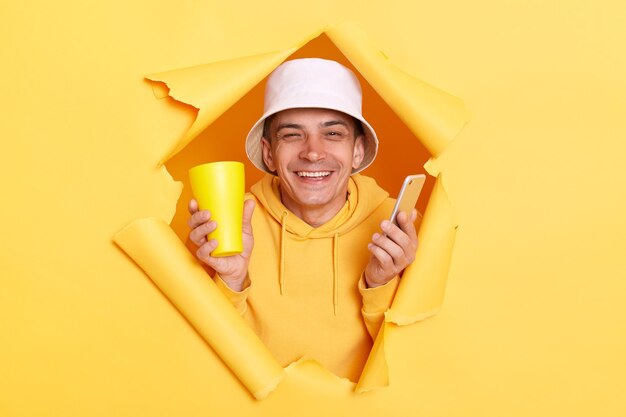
x,y
326,263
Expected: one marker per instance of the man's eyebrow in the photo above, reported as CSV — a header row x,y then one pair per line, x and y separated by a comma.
x,y
334,123
328,123
288,126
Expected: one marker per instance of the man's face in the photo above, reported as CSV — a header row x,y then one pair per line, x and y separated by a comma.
x,y
313,152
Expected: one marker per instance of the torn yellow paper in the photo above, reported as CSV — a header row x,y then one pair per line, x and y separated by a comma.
x,y
433,115
158,251
375,372
212,88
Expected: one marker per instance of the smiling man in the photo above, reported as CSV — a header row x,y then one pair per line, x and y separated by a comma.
x,y
321,262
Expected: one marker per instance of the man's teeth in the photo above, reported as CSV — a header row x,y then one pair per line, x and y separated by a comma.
x,y
316,174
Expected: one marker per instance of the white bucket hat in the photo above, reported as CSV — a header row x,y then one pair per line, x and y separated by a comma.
x,y
311,83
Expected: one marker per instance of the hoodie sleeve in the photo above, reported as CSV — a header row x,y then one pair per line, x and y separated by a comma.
x,y
375,302
237,298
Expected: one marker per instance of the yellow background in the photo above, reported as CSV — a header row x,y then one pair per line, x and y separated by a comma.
x,y
534,321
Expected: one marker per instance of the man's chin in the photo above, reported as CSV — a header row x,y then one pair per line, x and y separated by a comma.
x,y
312,200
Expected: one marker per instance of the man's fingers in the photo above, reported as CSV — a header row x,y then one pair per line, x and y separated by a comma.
x,y
248,209
407,224
395,252
396,234
198,235
193,206
204,252
405,234
381,256
198,218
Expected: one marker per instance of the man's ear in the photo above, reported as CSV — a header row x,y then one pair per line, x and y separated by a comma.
x,y
358,152
267,154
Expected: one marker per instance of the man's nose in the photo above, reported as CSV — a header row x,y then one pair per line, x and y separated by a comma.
x,y
313,149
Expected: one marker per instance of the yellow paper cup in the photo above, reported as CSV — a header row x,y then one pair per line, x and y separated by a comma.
x,y
219,187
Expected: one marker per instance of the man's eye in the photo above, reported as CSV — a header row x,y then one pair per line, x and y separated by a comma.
x,y
334,134
290,135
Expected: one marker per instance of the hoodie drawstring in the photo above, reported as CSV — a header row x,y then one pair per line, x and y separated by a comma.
x,y
281,272
335,272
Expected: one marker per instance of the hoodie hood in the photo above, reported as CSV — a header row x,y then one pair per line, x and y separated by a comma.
x,y
364,196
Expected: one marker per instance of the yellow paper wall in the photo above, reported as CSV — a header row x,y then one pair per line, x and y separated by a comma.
x,y
534,321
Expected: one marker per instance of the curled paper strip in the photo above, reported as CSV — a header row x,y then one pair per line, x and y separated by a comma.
x,y
375,372
213,88
434,116
154,246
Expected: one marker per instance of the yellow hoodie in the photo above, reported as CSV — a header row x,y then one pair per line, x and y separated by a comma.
x,y
306,296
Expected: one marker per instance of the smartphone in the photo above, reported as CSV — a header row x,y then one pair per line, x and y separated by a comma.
x,y
411,189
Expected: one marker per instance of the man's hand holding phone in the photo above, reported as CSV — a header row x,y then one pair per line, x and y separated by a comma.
x,y
394,249
391,251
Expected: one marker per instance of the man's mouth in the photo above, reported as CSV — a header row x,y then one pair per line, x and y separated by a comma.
x,y
313,174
